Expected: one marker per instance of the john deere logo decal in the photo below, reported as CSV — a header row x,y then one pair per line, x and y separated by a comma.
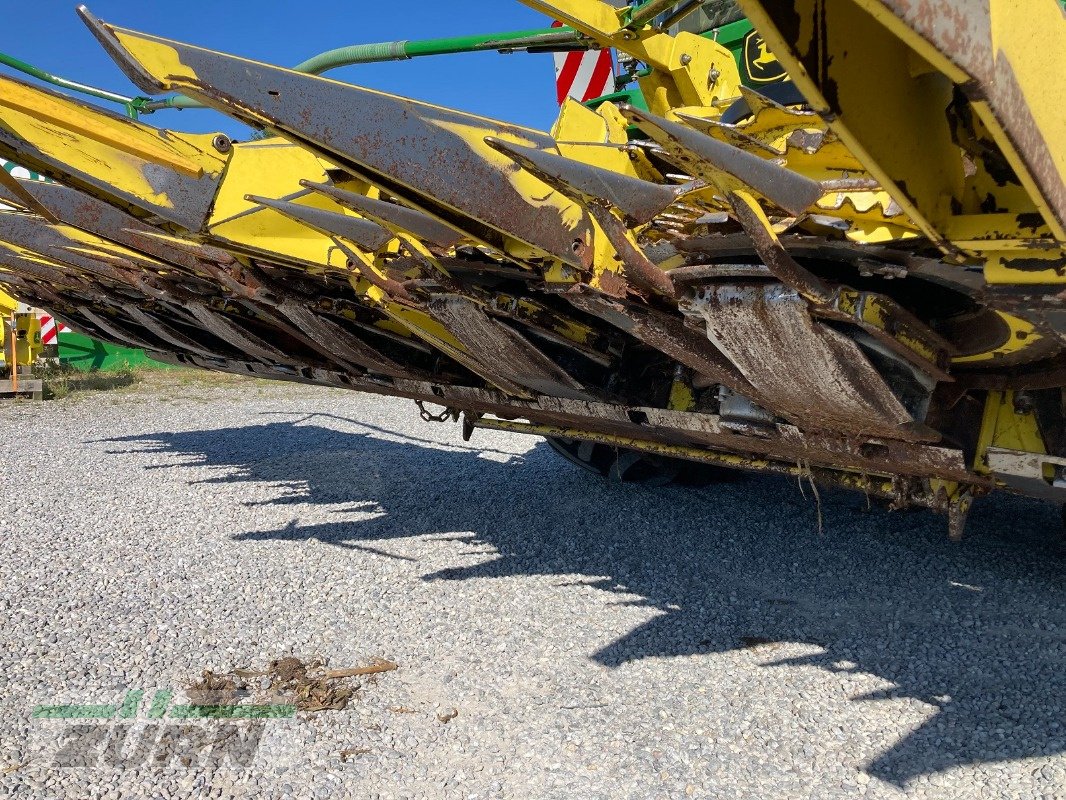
x,y
762,66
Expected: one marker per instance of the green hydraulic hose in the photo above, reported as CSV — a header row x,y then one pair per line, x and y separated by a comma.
x,y
354,54
398,51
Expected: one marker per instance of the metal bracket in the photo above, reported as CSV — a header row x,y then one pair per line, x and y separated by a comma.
x,y
1024,472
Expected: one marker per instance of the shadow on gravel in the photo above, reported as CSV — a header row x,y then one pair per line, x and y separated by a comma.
x,y
978,629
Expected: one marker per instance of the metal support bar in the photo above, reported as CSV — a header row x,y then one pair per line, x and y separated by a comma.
x,y
884,486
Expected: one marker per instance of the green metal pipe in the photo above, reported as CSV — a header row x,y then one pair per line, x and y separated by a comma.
x,y
55,80
641,15
512,40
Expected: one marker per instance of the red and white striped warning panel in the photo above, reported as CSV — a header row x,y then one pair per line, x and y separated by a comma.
x,y
50,329
583,74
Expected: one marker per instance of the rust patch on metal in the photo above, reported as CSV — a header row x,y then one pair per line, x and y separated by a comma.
x,y
775,257
664,332
165,332
501,349
116,330
638,200
340,342
801,370
638,267
229,331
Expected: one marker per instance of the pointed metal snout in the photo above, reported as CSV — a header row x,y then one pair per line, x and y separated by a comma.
x,y
640,201
368,235
726,166
422,226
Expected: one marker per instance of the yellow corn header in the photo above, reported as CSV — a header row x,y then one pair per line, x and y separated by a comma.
x,y
857,278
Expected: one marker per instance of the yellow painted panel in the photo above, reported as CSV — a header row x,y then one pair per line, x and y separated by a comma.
x,y
273,169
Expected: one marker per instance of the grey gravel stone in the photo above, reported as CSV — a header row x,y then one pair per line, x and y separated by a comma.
x,y
597,641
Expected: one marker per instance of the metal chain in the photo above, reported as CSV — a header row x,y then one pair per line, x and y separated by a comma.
x,y
444,416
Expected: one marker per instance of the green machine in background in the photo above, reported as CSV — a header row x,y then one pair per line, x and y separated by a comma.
x,y
722,21
81,352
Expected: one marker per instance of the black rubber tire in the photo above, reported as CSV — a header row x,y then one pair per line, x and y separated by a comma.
x,y
623,465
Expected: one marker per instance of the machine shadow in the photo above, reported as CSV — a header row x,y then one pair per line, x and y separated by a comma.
x,y
977,629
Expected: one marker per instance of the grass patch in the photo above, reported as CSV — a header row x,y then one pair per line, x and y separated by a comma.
x,y
177,383
62,381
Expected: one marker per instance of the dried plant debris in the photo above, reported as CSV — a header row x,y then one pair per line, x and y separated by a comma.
x,y
307,685
216,690
290,670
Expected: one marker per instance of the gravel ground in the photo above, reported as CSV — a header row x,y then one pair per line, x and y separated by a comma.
x,y
595,640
